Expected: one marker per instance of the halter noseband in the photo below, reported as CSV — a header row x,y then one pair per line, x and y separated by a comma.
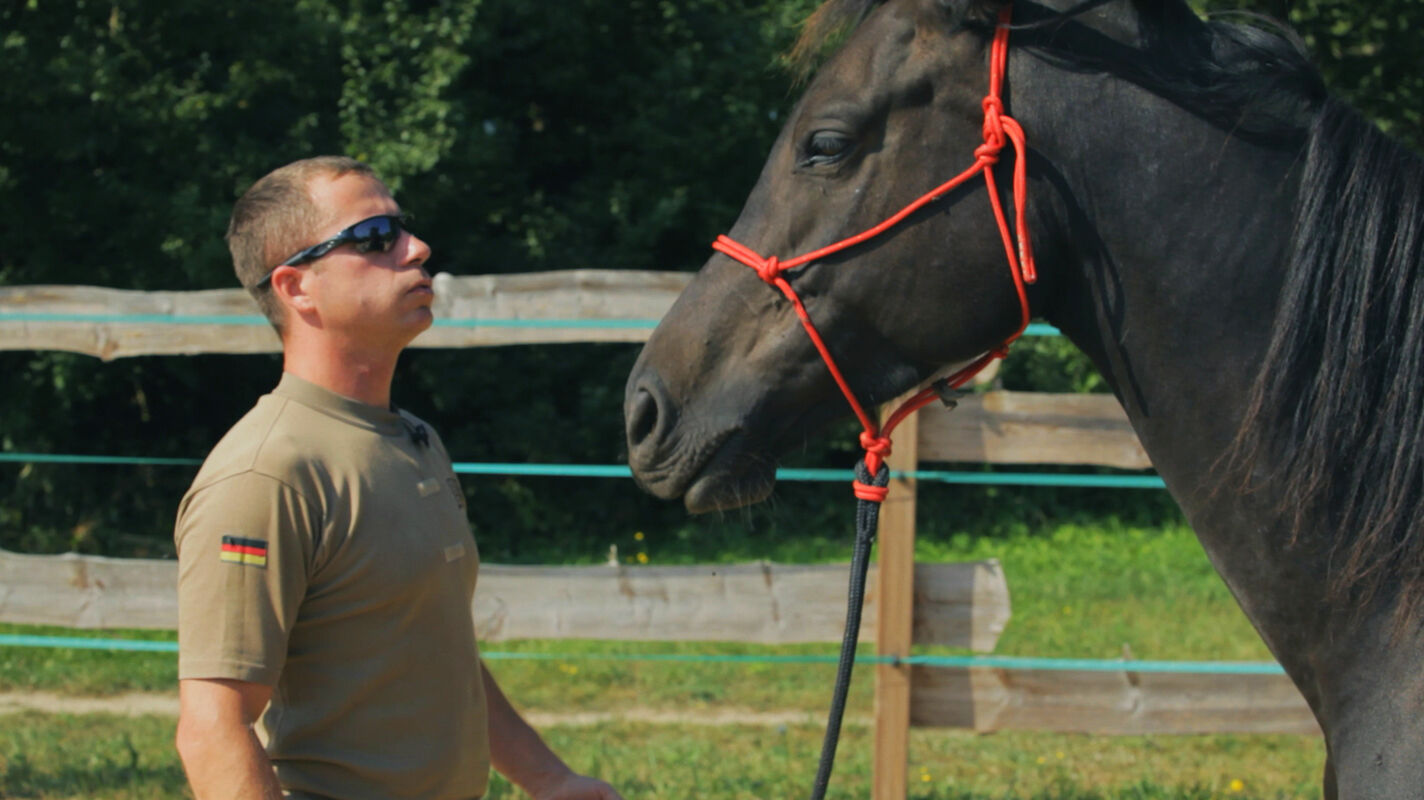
x,y
999,129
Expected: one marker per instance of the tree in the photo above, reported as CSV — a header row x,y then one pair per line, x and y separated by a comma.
x,y
522,136
522,140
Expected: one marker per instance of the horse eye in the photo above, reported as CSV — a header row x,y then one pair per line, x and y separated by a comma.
x,y
825,147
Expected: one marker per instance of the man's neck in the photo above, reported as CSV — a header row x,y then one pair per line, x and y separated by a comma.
x,y
359,375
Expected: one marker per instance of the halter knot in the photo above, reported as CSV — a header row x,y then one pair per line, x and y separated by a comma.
x,y
876,449
993,127
875,445
769,269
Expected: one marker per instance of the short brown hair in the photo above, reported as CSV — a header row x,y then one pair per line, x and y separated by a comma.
x,y
274,218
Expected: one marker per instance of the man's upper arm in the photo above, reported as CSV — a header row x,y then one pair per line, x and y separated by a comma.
x,y
244,553
215,702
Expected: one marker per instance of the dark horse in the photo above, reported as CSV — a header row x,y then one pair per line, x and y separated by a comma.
x,y
1238,253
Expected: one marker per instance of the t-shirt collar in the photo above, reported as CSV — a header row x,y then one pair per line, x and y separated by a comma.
x,y
385,421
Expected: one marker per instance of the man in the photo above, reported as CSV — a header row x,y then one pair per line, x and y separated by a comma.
x,y
326,566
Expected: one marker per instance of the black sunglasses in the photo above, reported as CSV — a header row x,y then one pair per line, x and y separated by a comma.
x,y
375,234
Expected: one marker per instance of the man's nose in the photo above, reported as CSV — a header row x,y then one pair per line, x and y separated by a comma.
x,y
417,252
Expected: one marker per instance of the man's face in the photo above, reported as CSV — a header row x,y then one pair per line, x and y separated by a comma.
x,y
369,299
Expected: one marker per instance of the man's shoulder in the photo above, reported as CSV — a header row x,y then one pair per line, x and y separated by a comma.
x,y
277,438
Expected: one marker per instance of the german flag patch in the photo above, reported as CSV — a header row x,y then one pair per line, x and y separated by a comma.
x,y
237,550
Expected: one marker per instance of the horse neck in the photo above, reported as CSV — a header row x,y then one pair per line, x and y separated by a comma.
x,y
1179,259
1173,249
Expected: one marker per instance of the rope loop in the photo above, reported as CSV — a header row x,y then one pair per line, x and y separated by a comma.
x,y
873,494
871,483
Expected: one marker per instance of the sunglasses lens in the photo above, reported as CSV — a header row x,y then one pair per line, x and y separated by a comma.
x,y
376,234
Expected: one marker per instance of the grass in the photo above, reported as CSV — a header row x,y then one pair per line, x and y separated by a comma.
x,y
86,672
93,756
1077,591
100,757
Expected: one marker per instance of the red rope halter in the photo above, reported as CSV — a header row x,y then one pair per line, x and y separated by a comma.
x,y
999,129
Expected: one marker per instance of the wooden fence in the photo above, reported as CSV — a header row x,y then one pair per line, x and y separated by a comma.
x,y
959,605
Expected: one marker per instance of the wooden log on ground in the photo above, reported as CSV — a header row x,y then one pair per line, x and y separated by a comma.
x,y
959,605
477,310
987,699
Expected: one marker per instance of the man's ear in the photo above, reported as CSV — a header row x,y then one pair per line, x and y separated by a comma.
x,y
289,285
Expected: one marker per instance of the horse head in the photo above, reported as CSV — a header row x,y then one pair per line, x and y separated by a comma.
x,y
730,380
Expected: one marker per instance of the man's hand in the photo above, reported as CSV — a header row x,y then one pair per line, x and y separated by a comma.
x,y
580,787
522,757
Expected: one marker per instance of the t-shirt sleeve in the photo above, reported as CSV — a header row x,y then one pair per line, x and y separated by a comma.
x,y
245,548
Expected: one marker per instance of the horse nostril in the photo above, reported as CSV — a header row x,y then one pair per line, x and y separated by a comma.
x,y
642,417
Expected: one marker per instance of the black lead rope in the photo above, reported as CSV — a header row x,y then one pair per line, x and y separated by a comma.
x,y
867,518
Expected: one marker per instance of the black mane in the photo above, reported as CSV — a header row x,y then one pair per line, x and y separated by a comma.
x,y
1338,409
1252,77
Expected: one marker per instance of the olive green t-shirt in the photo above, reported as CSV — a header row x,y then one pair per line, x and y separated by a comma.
x,y
323,550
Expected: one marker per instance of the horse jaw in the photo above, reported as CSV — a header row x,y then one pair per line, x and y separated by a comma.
x,y
708,465
702,447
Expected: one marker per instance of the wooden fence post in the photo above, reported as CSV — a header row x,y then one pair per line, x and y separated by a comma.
x,y
894,627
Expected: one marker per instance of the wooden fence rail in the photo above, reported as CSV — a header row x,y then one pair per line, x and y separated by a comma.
x,y
470,311
959,605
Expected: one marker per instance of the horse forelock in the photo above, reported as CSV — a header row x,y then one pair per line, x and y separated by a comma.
x,y
1334,429
834,18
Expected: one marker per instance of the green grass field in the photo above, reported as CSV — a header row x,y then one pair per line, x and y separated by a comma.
x,y
104,757
1077,592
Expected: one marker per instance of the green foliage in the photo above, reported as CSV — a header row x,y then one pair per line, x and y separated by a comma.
x,y
523,140
1049,364
1368,53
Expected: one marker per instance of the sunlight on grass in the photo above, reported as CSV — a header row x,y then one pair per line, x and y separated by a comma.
x,y
102,757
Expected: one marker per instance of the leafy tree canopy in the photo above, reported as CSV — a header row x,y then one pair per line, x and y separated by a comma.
x,y
523,136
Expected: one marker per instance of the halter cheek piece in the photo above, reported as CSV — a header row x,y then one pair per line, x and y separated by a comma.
x,y
999,129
